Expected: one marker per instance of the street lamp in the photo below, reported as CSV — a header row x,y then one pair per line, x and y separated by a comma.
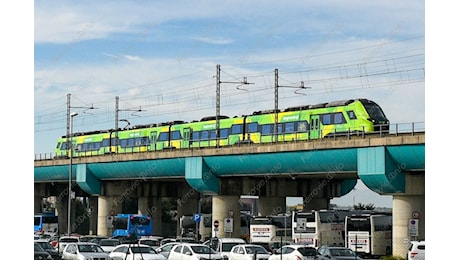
x,y
70,145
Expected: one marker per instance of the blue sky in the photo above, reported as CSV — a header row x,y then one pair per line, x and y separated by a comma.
x,y
160,57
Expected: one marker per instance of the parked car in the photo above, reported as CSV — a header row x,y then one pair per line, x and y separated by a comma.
x,y
40,253
416,250
336,253
152,242
84,250
46,245
135,251
224,245
192,251
294,252
248,252
63,241
166,248
108,244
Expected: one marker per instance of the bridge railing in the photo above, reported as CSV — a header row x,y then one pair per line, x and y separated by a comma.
x,y
383,130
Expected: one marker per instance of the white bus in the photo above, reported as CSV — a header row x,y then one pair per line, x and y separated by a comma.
x,y
369,234
271,231
319,227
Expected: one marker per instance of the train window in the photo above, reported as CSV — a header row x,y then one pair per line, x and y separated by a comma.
x,y
123,142
280,128
237,129
267,129
351,114
204,135
326,119
97,146
84,147
64,146
213,135
252,128
175,135
289,127
145,140
130,142
196,136
138,141
224,133
105,142
339,118
163,137
302,126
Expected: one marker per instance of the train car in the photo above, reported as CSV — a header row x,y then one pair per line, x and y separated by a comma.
x,y
352,116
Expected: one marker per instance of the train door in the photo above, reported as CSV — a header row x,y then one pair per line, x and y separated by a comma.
x,y
186,138
153,138
315,129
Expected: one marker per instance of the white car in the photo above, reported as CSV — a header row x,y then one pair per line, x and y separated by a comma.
x,y
248,252
294,252
83,251
108,244
189,251
416,250
166,248
64,240
135,252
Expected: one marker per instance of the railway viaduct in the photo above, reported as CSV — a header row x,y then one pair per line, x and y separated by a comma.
x,y
318,171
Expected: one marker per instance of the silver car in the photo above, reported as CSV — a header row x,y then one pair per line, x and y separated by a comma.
x,y
84,250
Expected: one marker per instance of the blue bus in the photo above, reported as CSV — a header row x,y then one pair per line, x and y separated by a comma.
x,y
46,223
125,225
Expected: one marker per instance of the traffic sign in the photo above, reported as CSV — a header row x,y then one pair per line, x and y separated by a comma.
x,y
216,223
413,227
197,217
228,225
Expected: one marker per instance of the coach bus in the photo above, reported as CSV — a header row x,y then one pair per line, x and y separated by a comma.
x,y
369,234
126,225
319,227
46,223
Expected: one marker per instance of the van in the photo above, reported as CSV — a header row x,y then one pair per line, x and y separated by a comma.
x,y
224,245
416,250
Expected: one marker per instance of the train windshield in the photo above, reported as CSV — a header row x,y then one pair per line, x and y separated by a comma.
x,y
374,111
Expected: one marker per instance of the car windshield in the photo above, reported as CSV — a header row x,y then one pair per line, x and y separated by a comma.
x,y
256,249
342,252
68,240
90,248
202,250
226,247
109,242
45,245
37,247
307,251
143,250
150,242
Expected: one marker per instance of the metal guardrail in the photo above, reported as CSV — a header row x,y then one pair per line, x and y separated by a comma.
x,y
394,130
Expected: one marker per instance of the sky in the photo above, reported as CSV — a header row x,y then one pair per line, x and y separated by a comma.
x,y
160,59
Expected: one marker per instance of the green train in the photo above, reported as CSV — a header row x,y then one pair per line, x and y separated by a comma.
x,y
294,124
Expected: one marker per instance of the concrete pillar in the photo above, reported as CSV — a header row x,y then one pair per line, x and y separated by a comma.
x,y
107,206
271,205
62,209
38,201
151,206
223,207
93,202
39,194
408,206
186,206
